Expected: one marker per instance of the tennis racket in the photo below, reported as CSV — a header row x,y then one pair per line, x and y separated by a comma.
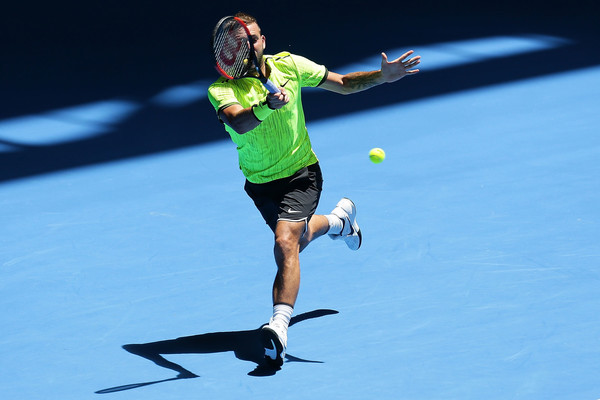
x,y
234,53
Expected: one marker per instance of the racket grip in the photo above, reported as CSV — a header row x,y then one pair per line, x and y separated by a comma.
x,y
271,86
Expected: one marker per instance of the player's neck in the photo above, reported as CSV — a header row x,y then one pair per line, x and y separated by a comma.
x,y
266,70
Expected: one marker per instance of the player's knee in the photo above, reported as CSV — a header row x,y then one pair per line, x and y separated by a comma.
x,y
287,241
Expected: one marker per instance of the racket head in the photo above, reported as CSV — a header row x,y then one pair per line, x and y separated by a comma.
x,y
232,48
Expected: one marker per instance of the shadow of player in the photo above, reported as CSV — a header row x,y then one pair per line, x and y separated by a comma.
x,y
246,345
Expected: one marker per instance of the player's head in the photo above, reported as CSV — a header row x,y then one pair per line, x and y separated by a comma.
x,y
259,39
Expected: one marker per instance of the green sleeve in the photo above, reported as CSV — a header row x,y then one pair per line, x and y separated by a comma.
x,y
310,73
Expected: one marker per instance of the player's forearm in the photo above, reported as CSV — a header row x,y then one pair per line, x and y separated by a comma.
x,y
240,119
358,81
353,82
243,120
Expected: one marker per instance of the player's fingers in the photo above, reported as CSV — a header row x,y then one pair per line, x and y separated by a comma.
x,y
284,97
281,98
405,55
412,62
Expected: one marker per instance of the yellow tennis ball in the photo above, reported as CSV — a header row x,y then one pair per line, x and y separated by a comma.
x,y
377,155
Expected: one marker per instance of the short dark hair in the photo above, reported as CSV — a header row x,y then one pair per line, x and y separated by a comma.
x,y
247,18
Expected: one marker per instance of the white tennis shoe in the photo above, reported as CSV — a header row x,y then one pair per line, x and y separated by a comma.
x,y
274,340
346,211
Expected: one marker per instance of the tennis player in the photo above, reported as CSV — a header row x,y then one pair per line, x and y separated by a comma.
x,y
282,172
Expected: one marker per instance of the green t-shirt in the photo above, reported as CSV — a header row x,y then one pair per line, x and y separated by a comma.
x,y
279,146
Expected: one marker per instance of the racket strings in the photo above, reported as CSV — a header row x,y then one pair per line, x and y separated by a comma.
x,y
232,49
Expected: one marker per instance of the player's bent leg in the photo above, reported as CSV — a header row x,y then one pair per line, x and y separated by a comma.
x,y
317,227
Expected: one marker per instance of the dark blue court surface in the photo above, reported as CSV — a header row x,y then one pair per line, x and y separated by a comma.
x,y
144,272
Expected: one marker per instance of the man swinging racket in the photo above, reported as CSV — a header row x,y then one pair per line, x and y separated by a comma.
x,y
258,100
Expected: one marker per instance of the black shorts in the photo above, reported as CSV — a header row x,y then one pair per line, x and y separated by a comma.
x,y
290,199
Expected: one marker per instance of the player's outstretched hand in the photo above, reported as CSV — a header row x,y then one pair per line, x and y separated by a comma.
x,y
400,67
278,100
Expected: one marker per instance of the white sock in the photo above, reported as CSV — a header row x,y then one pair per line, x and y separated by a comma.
x,y
335,224
282,313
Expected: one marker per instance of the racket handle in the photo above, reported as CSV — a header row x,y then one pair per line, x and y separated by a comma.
x,y
271,86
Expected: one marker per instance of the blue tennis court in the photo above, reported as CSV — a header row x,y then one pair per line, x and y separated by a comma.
x,y
478,276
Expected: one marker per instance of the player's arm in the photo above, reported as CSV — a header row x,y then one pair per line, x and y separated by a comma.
x,y
390,71
243,120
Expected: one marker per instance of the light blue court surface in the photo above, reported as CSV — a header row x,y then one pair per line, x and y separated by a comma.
x,y
478,277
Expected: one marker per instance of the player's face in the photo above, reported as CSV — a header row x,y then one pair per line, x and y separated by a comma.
x,y
259,41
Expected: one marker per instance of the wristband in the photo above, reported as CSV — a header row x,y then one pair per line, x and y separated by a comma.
x,y
262,110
